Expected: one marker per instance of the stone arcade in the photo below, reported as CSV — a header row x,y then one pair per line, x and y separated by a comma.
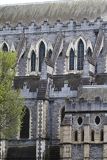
x,y
62,73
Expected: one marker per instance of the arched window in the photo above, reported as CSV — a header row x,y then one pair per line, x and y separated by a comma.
x,y
80,60
62,113
41,54
71,60
82,135
101,135
49,53
97,120
89,52
4,47
92,135
24,133
33,61
76,136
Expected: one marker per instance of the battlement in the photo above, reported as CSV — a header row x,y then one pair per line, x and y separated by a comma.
x,y
45,27
64,92
86,106
25,92
90,92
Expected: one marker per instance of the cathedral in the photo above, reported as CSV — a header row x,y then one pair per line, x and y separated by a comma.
x,y
62,74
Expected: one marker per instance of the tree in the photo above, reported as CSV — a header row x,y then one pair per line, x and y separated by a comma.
x,y
11,103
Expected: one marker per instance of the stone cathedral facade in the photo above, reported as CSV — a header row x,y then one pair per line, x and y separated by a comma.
x,y
62,74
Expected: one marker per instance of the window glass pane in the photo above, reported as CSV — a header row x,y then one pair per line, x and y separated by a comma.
x,y
92,135
33,61
5,48
71,60
76,136
101,135
80,55
41,55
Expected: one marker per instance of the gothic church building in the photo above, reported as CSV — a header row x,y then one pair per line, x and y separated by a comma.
x,y
62,74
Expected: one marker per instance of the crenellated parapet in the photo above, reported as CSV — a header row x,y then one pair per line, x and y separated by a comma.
x,y
63,93
26,93
86,106
91,92
46,27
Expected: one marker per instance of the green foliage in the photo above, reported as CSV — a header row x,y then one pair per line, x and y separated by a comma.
x,y
11,104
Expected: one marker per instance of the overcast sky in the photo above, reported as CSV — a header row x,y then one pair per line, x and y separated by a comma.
x,y
3,2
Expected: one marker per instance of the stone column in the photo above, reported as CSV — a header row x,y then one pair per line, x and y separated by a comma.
x,y
105,143
86,142
41,128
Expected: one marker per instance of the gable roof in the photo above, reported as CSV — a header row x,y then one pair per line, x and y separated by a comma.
x,y
64,10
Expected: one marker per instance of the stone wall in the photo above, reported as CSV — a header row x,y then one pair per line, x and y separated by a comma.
x,y
84,133
50,119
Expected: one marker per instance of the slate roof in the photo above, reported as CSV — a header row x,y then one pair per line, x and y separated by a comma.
x,y
63,10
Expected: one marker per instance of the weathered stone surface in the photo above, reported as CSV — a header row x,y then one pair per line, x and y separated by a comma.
x,y
82,93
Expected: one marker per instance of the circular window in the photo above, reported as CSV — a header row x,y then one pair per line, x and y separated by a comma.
x,y
79,120
97,120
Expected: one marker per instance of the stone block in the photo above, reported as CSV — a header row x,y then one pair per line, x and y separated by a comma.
x,y
86,134
86,151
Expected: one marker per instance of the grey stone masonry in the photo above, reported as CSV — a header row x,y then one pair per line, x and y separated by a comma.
x,y
64,86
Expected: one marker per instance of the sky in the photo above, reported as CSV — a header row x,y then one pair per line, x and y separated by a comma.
x,y
4,2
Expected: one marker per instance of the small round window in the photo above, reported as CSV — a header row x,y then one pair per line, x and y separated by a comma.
x,y
97,120
79,120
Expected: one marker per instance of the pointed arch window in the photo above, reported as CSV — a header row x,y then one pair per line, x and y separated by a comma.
x,y
71,60
33,61
41,55
5,47
92,135
82,135
80,56
76,136
89,52
101,135
62,113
